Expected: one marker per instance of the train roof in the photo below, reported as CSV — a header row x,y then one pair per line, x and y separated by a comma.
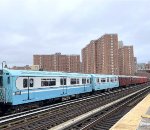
x,y
42,73
103,75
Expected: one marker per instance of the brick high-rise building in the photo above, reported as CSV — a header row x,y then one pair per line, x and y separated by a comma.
x,y
101,55
58,62
89,58
126,61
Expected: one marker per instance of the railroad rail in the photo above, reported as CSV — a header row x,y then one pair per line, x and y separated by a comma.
x,y
107,117
50,117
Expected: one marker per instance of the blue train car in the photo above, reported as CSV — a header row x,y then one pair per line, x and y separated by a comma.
x,y
21,86
104,81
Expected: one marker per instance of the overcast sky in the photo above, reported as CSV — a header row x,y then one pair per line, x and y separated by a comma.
x,y
30,27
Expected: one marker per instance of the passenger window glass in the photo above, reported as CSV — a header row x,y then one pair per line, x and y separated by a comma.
x,y
48,82
25,83
63,81
103,80
83,81
112,79
107,79
73,81
52,82
31,82
1,81
8,80
77,81
97,80
87,80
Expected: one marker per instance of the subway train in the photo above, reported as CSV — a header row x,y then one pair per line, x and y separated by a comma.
x,y
24,87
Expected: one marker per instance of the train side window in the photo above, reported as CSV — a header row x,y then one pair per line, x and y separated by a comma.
x,y
97,80
83,80
31,82
63,81
8,80
107,79
112,79
73,81
77,81
52,82
25,83
103,80
88,81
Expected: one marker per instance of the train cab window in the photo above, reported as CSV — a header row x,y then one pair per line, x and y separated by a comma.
x,y
1,81
31,82
97,80
8,80
25,83
83,80
103,80
63,81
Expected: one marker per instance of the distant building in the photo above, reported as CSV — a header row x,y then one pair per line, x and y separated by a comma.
x,y
126,61
58,62
35,67
101,55
107,55
143,66
27,67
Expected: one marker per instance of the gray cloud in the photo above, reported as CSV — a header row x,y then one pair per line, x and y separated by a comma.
x,y
30,27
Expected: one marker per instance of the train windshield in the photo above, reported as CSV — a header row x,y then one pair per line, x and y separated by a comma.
x,y
1,81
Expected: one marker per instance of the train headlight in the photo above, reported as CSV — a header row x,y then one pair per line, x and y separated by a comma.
x,y
18,93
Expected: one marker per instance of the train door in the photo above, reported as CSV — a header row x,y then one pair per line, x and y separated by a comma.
x,y
108,82
63,83
28,83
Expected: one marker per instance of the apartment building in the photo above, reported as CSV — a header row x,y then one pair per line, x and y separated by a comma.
x,y
101,55
58,62
126,61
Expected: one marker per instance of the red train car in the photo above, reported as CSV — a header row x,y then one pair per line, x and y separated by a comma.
x,y
131,80
124,80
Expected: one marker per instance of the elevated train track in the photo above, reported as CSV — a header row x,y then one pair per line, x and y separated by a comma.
x,y
49,117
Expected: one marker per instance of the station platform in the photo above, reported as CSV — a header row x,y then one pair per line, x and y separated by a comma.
x,y
136,119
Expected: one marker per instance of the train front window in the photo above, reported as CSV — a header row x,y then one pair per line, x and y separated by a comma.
x,y
1,81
